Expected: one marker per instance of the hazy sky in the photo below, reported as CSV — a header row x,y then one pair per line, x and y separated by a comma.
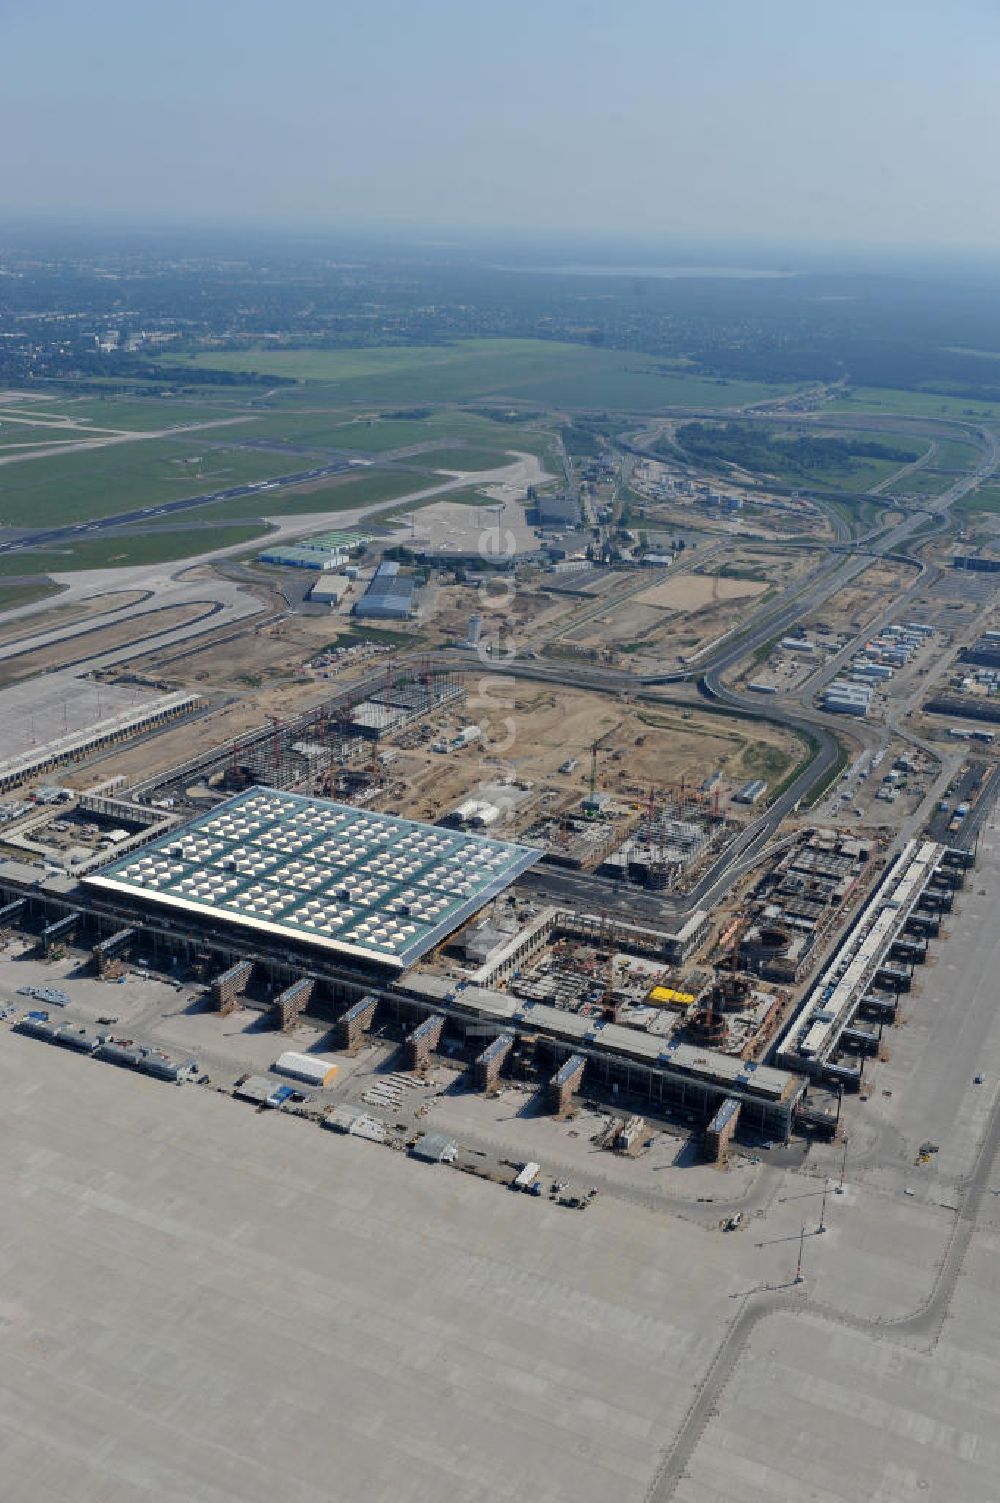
x,y
856,120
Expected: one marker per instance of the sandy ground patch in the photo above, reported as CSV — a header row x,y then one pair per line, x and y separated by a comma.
x,y
690,592
643,747
856,604
66,615
102,639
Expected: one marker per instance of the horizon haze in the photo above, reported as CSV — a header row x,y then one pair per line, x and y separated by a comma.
x,y
863,127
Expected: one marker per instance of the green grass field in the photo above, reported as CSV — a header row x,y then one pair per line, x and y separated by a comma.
x,y
954,456
986,498
117,414
927,482
128,551
330,426
783,461
103,482
32,448
322,414
912,403
376,435
362,488
382,634
860,516
21,435
864,473
533,370
12,595
465,459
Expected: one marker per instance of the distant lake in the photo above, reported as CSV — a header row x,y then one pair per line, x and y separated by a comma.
x,y
575,270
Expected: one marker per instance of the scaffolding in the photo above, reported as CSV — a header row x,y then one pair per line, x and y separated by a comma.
x,y
356,1022
490,1062
304,752
108,953
292,1002
397,704
674,833
227,989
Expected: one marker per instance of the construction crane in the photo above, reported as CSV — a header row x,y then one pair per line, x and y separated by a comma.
x,y
590,802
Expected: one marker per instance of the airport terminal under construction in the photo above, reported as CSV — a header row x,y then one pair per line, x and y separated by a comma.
x,y
295,905
610,943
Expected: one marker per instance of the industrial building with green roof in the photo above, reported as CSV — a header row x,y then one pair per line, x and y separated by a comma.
x,y
323,550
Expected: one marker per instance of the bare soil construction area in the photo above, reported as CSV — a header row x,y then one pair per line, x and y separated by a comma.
x,y
157,754
93,644
852,607
67,615
684,612
644,637
501,609
257,657
640,747
692,592
770,524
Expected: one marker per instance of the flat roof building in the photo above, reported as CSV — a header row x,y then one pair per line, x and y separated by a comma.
x,y
108,732
559,510
668,1069
846,698
389,596
324,550
358,883
295,556
326,591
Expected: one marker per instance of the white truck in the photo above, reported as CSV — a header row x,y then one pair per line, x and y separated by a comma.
x,y
526,1177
